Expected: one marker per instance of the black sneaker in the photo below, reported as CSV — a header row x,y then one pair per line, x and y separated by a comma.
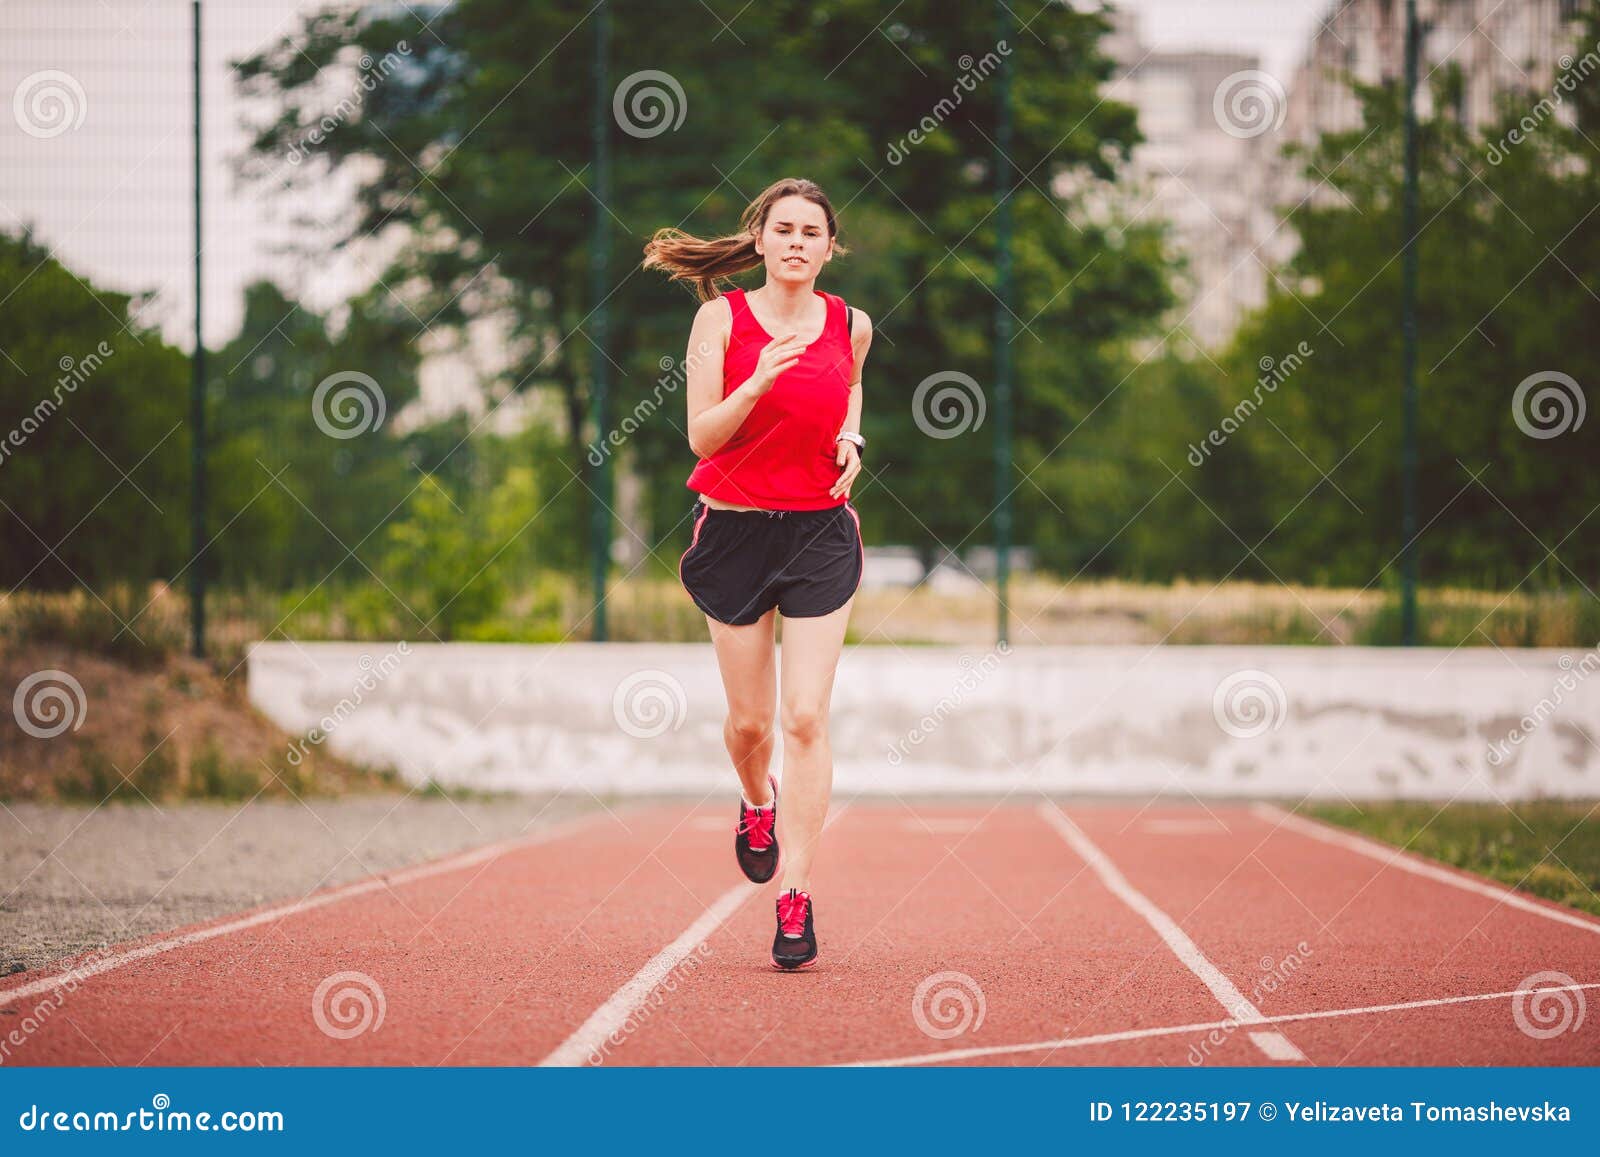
x,y
755,841
795,945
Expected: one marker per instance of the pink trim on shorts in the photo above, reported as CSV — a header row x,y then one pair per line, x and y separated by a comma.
x,y
704,510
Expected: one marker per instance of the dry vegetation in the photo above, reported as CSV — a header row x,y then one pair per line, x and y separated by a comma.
x,y
154,732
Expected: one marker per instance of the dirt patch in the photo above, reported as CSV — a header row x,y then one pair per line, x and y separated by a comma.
x,y
79,726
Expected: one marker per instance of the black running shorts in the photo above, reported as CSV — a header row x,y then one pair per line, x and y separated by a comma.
x,y
742,563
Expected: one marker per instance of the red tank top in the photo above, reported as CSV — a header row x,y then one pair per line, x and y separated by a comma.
x,y
783,456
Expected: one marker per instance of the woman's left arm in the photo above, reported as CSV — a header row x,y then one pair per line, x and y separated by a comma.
x,y
848,458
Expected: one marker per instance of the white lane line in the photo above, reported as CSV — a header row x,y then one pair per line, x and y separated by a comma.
x,y
589,1037
604,1021
1075,1042
1274,1045
1176,827
1408,862
77,974
935,825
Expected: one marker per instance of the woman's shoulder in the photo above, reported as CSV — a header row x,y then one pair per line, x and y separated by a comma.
x,y
856,311
713,323
860,325
717,312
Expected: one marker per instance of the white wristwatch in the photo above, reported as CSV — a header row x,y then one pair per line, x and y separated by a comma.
x,y
850,436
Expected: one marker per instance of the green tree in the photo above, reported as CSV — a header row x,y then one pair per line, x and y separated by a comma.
x,y
439,568
454,555
1508,255
468,129
305,412
94,441
1308,474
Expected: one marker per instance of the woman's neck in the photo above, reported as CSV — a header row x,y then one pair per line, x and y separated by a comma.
x,y
785,303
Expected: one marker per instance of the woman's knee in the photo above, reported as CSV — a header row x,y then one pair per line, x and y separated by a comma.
x,y
749,727
804,723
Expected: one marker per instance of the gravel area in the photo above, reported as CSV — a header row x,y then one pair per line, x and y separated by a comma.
x,y
77,877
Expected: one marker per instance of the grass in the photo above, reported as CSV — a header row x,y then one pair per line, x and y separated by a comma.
x,y
1044,610
1550,848
433,789
648,607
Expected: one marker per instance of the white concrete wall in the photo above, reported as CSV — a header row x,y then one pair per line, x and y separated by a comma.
x,y
1212,721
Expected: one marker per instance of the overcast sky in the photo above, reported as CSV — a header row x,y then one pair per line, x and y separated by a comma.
x,y
111,193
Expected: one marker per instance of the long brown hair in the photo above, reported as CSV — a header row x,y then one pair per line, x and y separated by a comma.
x,y
689,258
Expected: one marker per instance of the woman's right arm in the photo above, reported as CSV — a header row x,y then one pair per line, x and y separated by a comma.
x,y
714,419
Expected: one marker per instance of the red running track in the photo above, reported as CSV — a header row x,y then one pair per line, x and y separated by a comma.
x,y
951,933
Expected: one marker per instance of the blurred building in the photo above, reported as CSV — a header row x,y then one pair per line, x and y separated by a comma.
x,y
1215,122
1499,47
1209,119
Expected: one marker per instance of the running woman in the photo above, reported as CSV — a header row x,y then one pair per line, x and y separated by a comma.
x,y
774,393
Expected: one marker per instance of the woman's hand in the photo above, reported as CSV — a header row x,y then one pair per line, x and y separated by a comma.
x,y
847,459
776,356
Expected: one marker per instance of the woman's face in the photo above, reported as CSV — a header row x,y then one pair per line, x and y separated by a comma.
x,y
795,240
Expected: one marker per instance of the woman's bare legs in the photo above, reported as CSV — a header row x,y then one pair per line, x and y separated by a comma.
x,y
750,681
810,655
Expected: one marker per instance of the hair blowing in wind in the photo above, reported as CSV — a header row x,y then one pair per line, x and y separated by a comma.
x,y
703,262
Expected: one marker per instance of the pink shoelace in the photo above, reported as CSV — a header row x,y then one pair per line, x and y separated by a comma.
x,y
792,912
757,824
